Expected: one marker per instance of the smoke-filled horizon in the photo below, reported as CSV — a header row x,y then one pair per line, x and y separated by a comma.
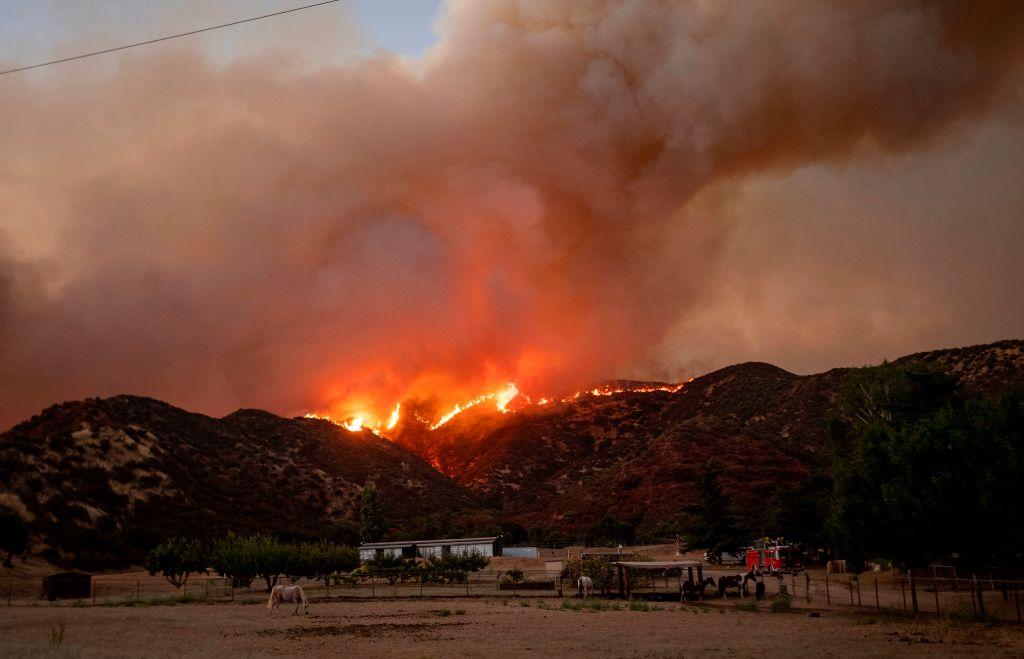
x,y
556,194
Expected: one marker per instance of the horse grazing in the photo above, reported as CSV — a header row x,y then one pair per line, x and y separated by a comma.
x,y
732,581
585,586
691,590
288,594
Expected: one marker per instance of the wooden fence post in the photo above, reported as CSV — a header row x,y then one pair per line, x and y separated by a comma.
x,y
974,598
981,600
94,588
913,592
850,584
903,590
807,585
935,584
878,606
858,589
828,595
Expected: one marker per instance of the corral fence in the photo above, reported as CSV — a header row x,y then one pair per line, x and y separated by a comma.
x,y
933,591
143,589
937,591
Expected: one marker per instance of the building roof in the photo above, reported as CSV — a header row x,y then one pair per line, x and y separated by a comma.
x,y
428,543
657,565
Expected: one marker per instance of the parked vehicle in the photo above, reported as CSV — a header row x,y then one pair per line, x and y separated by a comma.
x,y
773,556
723,558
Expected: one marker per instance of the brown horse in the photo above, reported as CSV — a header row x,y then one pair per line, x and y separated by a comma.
x,y
736,581
692,590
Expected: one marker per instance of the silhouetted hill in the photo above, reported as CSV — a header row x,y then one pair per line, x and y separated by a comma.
x,y
100,479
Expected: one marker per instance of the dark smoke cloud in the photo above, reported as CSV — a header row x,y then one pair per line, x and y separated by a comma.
x,y
530,203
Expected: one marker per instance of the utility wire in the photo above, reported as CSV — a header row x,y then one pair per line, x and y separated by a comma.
x,y
172,36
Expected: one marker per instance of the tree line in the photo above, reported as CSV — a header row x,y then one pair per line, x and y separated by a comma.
x,y
917,469
244,558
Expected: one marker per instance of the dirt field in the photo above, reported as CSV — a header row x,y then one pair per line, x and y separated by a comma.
x,y
478,627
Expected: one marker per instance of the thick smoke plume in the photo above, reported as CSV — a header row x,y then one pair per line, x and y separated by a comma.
x,y
517,206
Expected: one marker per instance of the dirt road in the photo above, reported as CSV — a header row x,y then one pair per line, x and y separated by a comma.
x,y
441,628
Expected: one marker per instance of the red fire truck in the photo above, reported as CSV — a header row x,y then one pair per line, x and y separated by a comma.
x,y
773,556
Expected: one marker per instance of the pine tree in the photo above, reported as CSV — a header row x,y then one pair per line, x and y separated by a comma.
x,y
716,525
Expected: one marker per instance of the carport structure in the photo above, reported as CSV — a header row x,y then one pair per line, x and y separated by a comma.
x,y
628,570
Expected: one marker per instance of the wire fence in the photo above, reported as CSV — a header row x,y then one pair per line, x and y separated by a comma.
x,y
929,593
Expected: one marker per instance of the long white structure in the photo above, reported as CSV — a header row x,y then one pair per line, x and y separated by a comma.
x,y
423,548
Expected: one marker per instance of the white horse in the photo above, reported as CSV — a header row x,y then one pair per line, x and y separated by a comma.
x,y
288,594
585,586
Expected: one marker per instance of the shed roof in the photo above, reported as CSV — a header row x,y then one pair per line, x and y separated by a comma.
x,y
657,565
428,543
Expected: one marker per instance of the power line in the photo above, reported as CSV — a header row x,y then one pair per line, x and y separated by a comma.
x,y
167,38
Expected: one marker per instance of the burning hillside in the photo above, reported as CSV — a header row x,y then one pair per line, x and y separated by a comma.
x,y
505,400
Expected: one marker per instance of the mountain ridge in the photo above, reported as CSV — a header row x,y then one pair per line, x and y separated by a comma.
x,y
99,480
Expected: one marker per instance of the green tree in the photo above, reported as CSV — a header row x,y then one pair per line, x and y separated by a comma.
x,y
177,559
716,526
344,532
610,531
798,511
13,536
452,567
254,556
371,515
321,559
271,558
231,556
923,471
393,567
598,569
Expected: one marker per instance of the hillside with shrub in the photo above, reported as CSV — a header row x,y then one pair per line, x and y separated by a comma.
x,y
640,457
100,482
746,450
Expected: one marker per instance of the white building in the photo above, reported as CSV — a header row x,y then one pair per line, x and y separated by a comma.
x,y
423,548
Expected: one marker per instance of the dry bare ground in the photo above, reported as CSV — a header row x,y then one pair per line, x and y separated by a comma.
x,y
479,627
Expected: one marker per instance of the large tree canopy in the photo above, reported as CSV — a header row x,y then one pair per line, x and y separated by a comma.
x,y
924,471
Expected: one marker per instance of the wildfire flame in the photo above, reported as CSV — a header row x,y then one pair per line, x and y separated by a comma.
x,y
393,421
501,398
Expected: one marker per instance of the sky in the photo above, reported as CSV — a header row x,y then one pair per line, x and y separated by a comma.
x,y
42,30
378,202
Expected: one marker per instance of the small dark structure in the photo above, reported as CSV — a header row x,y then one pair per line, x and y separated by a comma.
x,y
67,585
